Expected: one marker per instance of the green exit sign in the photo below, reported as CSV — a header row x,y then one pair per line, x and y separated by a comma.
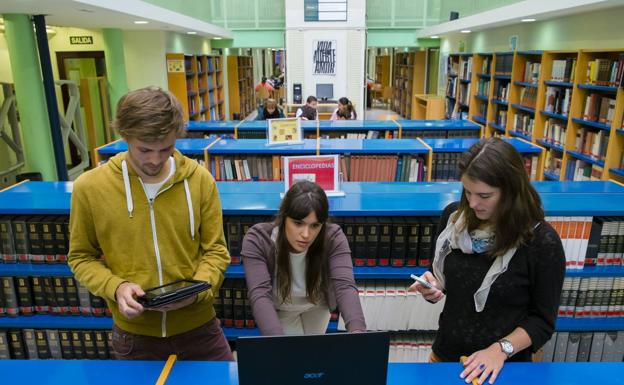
x,y
81,40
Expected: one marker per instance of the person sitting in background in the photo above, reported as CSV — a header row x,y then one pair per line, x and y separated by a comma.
x,y
345,110
308,112
264,84
270,110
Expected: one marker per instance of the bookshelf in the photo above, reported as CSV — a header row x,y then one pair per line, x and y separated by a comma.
x,y
263,163
571,103
452,80
241,86
382,70
482,89
397,129
412,201
197,81
409,80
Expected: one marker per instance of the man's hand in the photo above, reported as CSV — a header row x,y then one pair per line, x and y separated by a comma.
x,y
176,305
125,295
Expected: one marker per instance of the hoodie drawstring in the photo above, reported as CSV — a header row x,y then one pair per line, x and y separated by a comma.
x,y
189,204
126,179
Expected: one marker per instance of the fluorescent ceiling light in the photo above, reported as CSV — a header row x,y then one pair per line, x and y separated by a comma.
x,y
141,22
191,33
527,20
216,38
435,37
465,31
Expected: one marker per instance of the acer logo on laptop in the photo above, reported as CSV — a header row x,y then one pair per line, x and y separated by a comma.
x,y
313,376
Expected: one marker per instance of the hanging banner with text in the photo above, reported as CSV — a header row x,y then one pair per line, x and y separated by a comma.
x,y
324,57
322,170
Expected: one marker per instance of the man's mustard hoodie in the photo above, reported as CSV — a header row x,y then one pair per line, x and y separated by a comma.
x,y
117,235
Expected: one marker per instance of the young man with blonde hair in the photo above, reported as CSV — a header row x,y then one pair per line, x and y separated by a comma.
x,y
148,217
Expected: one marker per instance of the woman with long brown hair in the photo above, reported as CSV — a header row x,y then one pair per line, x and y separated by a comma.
x,y
299,267
498,263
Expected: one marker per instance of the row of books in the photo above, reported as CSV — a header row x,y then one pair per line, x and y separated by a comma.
x,y
451,87
373,241
504,64
599,108
48,295
444,167
563,70
410,347
22,344
606,72
594,297
606,244
555,131
584,347
575,234
524,123
558,100
531,72
387,305
482,109
530,165
486,65
483,87
579,170
466,69
464,93
232,305
441,134
37,238
501,117
553,163
528,96
452,65
591,142
501,90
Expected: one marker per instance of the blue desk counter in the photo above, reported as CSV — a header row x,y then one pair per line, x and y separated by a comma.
x,y
338,125
189,146
363,198
82,372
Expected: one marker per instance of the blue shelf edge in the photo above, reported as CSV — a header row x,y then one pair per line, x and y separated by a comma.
x,y
555,83
237,271
565,324
520,135
479,119
620,131
597,88
586,158
523,108
589,123
553,115
485,76
617,171
526,84
497,127
81,322
502,77
481,97
500,102
550,145
549,176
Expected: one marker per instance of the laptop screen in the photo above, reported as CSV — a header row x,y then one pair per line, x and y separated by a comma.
x,y
328,359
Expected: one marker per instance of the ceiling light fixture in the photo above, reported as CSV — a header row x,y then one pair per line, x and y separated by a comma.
x,y
191,33
465,31
435,37
141,22
216,38
527,20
